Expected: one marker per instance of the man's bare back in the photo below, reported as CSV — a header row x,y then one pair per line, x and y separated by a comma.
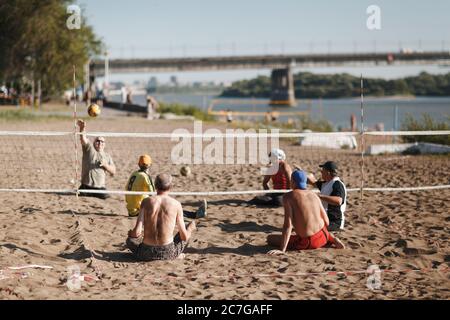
x,y
308,214
160,214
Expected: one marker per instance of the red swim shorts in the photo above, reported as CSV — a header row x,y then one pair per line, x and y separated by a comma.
x,y
318,240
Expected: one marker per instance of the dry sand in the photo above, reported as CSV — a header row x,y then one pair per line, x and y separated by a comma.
x,y
227,257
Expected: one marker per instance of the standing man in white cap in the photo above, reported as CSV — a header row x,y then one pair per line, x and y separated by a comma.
x,y
332,193
281,180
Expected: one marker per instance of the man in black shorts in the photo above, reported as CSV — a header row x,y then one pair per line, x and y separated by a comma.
x,y
159,215
332,193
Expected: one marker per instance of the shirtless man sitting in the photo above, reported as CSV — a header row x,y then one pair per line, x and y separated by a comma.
x,y
304,211
159,215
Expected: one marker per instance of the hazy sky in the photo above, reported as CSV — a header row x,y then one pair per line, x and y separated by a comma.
x,y
164,28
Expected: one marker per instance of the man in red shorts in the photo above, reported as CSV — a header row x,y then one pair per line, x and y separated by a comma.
x,y
304,212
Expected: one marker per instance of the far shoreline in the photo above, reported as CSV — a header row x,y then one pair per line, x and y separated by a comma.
x,y
372,97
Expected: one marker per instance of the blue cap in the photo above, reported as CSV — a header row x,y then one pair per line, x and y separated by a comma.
x,y
300,179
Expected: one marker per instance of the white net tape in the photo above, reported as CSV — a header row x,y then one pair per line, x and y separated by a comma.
x,y
43,161
227,135
219,193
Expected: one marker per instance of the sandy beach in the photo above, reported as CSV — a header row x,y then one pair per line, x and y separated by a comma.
x,y
406,233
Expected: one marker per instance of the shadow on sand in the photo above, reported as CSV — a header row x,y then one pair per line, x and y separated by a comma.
x,y
228,202
247,226
69,212
14,247
244,250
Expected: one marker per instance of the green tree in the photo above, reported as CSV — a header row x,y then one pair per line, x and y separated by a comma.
x,y
36,44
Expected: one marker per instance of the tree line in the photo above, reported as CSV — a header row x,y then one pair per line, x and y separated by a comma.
x,y
36,45
309,85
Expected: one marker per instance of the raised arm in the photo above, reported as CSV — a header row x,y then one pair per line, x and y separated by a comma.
x,y
82,125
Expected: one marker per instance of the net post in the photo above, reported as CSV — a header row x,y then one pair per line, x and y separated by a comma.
x,y
362,141
75,131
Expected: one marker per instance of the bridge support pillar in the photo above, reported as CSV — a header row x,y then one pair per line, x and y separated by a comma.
x,y
282,87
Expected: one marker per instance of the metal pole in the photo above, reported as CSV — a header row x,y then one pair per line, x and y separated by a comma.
x,y
75,130
395,121
362,139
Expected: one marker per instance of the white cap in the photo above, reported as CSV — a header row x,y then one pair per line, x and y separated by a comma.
x,y
277,154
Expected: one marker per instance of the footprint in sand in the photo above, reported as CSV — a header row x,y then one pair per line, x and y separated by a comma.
x,y
120,265
354,245
391,253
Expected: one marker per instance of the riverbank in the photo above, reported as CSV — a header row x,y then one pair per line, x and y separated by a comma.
x,y
312,86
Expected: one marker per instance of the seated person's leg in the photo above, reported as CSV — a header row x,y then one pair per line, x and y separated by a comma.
x,y
95,195
82,194
277,200
262,200
200,213
101,195
189,214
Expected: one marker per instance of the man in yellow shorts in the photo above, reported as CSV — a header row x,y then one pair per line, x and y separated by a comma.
x,y
140,180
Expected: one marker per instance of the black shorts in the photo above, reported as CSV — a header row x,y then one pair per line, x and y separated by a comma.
x,y
274,200
145,252
334,226
96,195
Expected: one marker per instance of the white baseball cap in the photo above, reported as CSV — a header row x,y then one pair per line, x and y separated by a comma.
x,y
277,154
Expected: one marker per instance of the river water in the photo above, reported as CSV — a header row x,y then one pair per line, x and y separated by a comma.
x,y
336,111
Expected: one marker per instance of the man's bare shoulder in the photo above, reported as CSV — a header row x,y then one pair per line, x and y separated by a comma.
x,y
302,194
169,201
149,201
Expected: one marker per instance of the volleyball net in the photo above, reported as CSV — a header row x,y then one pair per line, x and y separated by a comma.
x,y
228,163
